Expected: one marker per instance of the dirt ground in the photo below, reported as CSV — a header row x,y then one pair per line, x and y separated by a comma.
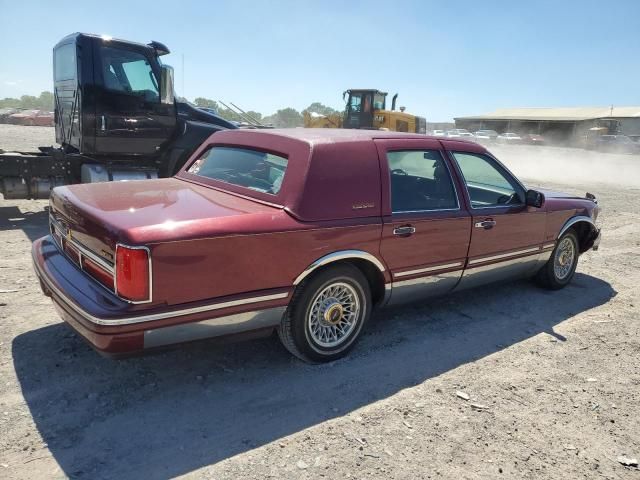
x,y
553,377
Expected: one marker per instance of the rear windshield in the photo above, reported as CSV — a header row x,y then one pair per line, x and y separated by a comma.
x,y
259,171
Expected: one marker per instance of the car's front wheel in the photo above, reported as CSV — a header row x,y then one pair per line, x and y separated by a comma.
x,y
327,314
561,266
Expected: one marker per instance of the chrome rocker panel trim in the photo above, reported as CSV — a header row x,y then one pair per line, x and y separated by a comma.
x,y
336,256
216,327
414,289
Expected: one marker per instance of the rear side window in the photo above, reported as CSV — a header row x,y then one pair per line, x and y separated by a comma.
x,y
65,62
420,181
259,171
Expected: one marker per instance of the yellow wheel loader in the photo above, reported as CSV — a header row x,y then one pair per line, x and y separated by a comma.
x,y
366,109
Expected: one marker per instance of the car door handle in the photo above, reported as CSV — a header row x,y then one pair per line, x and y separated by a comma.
x,y
486,224
404,231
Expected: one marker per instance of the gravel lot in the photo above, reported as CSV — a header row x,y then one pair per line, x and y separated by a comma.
x,y
553,378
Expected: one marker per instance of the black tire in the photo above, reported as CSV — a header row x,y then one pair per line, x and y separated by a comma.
x,y
295,330
547,277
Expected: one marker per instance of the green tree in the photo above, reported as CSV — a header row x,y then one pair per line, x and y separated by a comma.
x,y
43,102
317,107
206,102
46,101
285,118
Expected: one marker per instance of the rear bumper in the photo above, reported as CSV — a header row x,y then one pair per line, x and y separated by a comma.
x,y
114,327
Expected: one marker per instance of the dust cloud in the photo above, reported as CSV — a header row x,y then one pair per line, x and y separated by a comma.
x,y
570,166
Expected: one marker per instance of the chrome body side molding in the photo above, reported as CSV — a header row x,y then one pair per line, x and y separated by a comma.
x,y
428,269
238,323
336,256
475,261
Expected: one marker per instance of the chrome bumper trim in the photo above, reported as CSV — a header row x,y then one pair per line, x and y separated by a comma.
x,y
503,255
154,316
428,269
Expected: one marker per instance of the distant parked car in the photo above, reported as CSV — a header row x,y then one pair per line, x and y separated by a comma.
x,y
533,139
509,138
459,133
486,136
616,144
39,118
439,133
5,113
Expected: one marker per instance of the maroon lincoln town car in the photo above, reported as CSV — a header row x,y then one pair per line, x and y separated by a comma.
x,y
304,231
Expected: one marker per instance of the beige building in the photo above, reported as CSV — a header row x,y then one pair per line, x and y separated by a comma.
x,y
567,124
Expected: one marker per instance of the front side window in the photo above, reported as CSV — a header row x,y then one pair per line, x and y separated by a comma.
x,y
420,181
355,103
129,72
379,101
488,185
259,171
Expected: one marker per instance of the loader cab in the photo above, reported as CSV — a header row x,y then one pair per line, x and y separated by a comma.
x,y
112,97
361,106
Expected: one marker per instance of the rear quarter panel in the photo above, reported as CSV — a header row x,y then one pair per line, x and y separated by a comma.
x,y
185,271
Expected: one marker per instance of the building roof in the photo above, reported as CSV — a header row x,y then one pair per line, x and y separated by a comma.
x,y
557,114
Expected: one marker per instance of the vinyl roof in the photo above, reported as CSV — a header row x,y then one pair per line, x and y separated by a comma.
x,y
558,114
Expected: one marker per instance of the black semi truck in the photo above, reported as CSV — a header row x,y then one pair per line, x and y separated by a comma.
x,y
116,118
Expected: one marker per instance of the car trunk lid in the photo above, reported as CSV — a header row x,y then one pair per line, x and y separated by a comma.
x,y
100,215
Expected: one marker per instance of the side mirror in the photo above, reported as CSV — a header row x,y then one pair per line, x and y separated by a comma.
x,y
166,85
535,198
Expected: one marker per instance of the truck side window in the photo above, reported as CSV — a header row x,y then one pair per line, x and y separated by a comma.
x,y
420,180
129,72
487,184
65,62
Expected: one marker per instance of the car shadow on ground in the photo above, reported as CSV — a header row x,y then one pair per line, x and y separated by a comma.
x,y
168,414
33,224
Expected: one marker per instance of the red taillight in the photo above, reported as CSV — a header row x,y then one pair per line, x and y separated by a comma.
x,y
132,273
97,272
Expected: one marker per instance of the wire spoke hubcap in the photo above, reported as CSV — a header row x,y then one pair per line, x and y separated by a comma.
x,y
564,258
333,315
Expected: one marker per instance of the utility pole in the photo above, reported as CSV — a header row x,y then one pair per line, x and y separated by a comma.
x,y
184,94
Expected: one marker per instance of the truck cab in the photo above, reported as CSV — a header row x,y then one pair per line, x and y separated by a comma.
x,y
114,100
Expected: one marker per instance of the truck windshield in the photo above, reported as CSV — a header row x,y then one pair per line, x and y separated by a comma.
x,y
247,168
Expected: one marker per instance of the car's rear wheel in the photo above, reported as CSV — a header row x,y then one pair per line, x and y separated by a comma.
x,y
561,266
327,314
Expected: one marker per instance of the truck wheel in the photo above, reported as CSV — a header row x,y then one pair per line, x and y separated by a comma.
x,y
327,314
561,266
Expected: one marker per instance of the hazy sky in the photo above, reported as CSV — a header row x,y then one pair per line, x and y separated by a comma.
x,y
444,58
